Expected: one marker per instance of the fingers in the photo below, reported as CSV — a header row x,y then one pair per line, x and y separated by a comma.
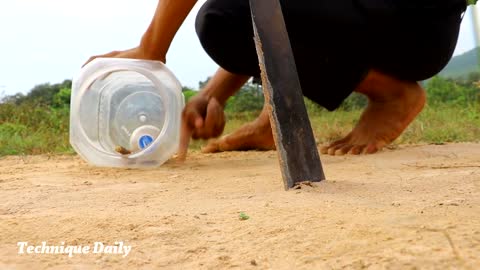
x,y
89,60
215,118
205,118
185,134
202,118
110,54
193,121
214,121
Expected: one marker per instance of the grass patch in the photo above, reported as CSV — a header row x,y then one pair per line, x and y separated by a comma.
x,y
27,129
442,123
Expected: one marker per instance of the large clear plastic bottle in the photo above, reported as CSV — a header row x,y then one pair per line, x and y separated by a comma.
x,y
125,113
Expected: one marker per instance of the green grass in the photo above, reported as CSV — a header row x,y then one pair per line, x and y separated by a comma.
x,y
27,129
438,124
444,123
243,216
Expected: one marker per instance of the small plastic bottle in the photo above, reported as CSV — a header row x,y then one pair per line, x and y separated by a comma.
x,y
125,113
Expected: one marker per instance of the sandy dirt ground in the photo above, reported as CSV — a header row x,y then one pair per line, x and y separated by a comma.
x,y
416,207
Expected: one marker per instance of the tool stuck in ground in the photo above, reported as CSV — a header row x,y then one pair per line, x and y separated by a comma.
x,y
297,150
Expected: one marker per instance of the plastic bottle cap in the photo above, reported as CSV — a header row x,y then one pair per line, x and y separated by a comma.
x,y
143,136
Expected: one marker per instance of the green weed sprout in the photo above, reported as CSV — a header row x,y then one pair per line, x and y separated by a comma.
x,y
243,216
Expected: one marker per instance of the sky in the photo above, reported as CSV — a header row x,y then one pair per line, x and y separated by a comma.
x,y
48,40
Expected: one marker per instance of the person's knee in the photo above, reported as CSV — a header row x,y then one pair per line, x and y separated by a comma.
x,y
204,16
209,25
225,31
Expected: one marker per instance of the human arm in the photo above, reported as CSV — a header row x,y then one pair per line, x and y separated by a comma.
x,y
169,16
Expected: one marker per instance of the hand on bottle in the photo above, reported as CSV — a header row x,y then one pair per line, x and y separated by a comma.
x,y
134,53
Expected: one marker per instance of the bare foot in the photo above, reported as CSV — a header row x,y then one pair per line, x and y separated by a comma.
x,y
256,135
393,104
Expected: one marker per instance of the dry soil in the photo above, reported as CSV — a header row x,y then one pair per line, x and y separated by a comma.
x,y
416,207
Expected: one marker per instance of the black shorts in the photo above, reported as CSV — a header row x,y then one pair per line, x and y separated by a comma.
x,y
336,42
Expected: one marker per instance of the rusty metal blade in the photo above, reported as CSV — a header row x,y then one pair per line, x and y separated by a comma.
x,y
297,150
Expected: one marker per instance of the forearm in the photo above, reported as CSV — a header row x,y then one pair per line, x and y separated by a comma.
x,y
168,18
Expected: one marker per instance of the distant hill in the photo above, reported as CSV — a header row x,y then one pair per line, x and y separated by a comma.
x,y
462,65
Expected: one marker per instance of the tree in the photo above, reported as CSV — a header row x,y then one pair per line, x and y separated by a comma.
x,y
249,98
13,99
43,94
62,98
441,90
